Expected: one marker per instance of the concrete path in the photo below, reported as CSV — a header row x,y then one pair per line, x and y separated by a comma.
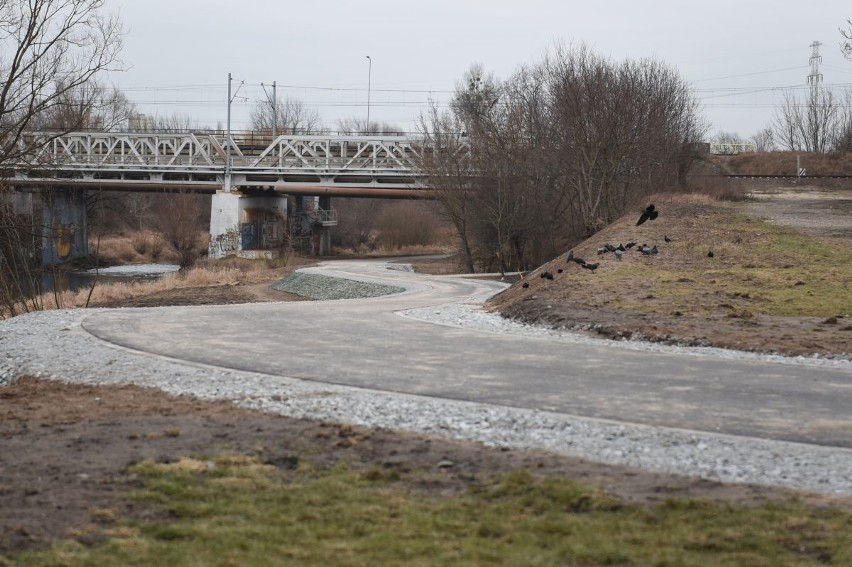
x,y
369,344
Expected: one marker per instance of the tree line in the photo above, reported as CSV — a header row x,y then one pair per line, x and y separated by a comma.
x,y
555,152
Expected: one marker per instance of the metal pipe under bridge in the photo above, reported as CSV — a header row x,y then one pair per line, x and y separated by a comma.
x,y
338,166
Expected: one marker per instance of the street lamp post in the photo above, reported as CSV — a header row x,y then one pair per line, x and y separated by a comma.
x,y
228,142
369,81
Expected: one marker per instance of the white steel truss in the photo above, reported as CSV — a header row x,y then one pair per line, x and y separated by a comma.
x,y
388,161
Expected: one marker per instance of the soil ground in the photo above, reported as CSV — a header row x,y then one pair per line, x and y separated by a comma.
x,y
65,449
706,301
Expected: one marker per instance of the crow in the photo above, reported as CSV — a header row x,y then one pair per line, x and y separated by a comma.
x,y
591,267
546,276
710,254
650,213
609,247
666,238
526,285
559,271
621,248
572,258
629,245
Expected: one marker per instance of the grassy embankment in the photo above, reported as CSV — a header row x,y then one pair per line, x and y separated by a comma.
x,y
238,511
757,268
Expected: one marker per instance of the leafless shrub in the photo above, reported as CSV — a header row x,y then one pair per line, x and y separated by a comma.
x,y
53,50
181,221
406,223
562,148
720,188
289,115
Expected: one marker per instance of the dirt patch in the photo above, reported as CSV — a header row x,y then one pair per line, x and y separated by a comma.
x,y
812,210
65,451
206,295
682,295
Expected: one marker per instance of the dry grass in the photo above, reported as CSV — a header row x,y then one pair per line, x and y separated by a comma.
x,y
784,163
720,188
143,247
229,271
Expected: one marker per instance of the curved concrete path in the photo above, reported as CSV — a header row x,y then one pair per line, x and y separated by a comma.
x,y
369,344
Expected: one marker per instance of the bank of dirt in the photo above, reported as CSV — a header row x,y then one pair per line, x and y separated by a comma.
x,y
65,450
681,295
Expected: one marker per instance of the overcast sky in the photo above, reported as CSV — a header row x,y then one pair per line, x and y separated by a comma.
x,y
178,53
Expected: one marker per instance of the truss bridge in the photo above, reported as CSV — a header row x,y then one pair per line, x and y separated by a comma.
x,y
263,188
351,166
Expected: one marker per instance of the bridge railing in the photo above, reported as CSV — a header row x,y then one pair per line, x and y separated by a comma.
x,y
204,151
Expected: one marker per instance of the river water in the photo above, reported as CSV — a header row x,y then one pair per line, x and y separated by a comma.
x,y
62,280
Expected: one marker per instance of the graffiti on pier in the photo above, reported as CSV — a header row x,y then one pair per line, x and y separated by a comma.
x,y
220,244
64,240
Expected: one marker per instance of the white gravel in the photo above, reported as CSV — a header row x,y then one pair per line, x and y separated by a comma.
x,y
54,345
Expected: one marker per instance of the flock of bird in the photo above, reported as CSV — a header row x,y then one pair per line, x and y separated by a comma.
x,y
650,213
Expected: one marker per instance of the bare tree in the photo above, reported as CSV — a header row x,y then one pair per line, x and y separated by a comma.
x,y
51,49
446,158
355,126
181,221
174,122
846,44
89,106
290,116
764,140
556,152
809,125
723,137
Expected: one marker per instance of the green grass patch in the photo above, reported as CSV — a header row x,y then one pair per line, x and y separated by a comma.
x,y
239,512
759,268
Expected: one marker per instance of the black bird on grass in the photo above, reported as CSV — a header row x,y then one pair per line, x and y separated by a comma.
x,y
572,258
710,254
650,213
546,276
629,245
666,238
525,285
591,267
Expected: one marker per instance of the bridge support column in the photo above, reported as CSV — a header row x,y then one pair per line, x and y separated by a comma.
x,y
248,226
65,230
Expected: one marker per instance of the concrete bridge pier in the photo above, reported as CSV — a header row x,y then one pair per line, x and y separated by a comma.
x,y
64,226
316,218
248,226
